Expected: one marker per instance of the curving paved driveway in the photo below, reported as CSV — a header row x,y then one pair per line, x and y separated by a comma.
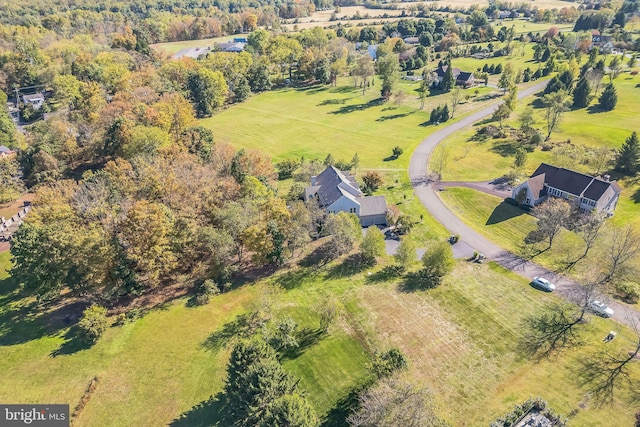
x,y
428,195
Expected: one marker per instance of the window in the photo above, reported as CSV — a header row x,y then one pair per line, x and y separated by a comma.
x,y
352,210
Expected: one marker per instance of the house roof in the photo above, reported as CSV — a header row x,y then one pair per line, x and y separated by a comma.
x,y
333,184
441,71
536,184
372,205
5,150
573,182
411,40
464,76
231,46
33,97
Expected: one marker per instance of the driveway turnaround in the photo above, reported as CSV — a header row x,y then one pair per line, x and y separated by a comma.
x,y
428,195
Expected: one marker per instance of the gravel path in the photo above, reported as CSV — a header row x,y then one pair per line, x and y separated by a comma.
x,y
428,195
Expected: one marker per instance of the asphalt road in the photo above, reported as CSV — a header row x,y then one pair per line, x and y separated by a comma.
x,y
428,195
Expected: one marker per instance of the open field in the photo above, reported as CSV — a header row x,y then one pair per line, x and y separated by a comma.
x,y
171,48
461,340
465,4
315,121
587,126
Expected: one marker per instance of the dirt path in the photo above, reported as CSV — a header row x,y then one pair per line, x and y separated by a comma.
x,y
427,192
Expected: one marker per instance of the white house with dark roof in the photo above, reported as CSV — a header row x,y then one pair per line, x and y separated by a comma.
x,y
337,191
35,100
589,193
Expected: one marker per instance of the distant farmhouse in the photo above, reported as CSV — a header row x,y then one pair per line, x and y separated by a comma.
x,y
604,43
463,78
234,46
35,101
591,194
6,152
338,191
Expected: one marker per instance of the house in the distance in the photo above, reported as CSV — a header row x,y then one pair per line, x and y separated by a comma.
x,y
6,152
337,191
231,46
463,78
35,101
588,192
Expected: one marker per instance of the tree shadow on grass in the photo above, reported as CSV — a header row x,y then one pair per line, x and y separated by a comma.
x,y
359,107
394,116
504,148
344,89
595,109
311,89
636,196
418,281
294,278
20,323
319,257
306,338
504,212
236,329
353,264
209,412
334,101
73,344
388,273
337,416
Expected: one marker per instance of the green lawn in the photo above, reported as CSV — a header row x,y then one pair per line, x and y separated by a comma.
x,y
315,121
508,225
172,48
461,340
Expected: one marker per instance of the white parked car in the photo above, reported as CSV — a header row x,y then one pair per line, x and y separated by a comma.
x,y
544,284
600,309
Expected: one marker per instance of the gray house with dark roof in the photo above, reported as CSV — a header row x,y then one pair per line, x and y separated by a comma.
x,y
463,78
589,193
337,191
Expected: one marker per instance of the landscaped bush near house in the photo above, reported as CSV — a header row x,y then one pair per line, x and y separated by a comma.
x,y
94,323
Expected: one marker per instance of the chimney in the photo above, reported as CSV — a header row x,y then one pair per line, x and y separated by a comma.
x,y
314,179
606,178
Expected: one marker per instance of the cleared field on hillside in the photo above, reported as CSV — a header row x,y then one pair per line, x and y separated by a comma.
x,y
315,121
461,340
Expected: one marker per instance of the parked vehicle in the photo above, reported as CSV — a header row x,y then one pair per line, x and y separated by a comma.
x,y
544,284
600,309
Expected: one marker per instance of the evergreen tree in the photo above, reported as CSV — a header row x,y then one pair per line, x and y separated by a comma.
x,y
448,81
620,18
259,389
609,98
444,116
582,93
628,158
554,85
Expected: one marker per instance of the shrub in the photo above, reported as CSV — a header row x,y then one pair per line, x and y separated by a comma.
x,y
94,323
629,291
206,290
385,364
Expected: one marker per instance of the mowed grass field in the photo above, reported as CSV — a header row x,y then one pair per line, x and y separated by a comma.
x,y
476,160
171,48
315,121
461,340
